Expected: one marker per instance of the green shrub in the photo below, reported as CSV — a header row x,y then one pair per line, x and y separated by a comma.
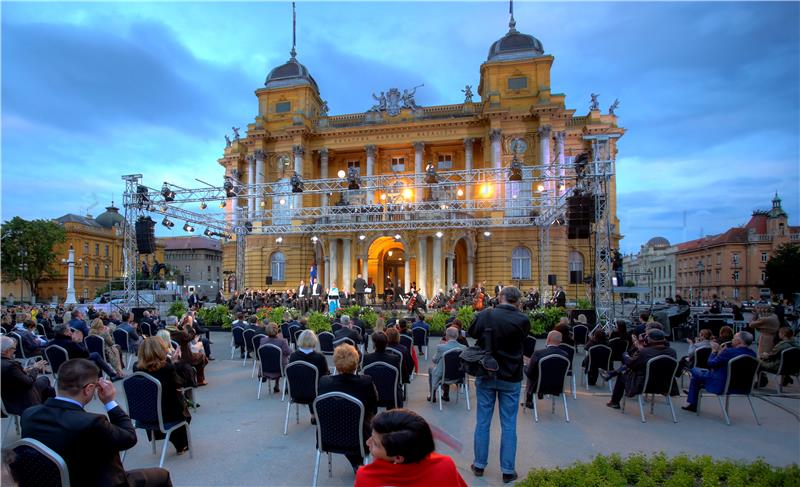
x,y
436,322
465,315
583,303
216,316
276,314
680,471
319,322
545,319
295,313
368,316
178,308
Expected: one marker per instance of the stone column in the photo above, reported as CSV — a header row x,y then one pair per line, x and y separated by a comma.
x,y
298,151
251,179
560,136
323,174
419,148
365,267
371,151
450,274
334,274
347,281
497,160
327,277
422,264
437,265
259,155
407,269
468,146
544,158
470,271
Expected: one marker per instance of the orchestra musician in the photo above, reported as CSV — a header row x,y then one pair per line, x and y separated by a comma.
x,y
388,296
359,285
532,302
479,300
560,298
303,293
439,300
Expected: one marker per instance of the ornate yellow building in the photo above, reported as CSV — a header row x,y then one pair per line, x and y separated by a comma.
x,y
293,133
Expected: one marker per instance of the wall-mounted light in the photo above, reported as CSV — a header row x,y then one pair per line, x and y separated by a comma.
x,y
203,205
487,234
314,239
407,193
362,237
282,201
397,237
439,234
460,192
279,240
390,253
341,174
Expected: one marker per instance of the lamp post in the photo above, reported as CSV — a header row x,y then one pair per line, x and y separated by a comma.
x,y
700,270
23,254
70,261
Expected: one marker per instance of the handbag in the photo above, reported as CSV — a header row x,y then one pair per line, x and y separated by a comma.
x,y
477,361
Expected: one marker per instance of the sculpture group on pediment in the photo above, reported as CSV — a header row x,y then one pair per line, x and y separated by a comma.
x,y
392,101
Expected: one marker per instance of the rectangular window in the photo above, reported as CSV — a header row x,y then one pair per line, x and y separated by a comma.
x,y
209,270
735,275
283,107
188,269
719,259
85,247
735,259
354,164
519,83
763,276
445,161
764,257
106,250
398,164
97,270
106,271
97,249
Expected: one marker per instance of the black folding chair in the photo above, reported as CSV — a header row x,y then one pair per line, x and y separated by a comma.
x,y
270,358
618,347
291,336
10,418
528,346
571,372
237,340
453,374
19,353
387,380
34,464
122,339
336,326
143,394
407,341
247,335
742,372
326,342
553,371
659,377
145,328
55,357
599,357
255,342
302,380
420,336
789,365
580,333
95,343
343,340
340,420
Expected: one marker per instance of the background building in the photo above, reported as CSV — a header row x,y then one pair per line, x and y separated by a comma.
x,y
654,265
293,133
732,264
197,259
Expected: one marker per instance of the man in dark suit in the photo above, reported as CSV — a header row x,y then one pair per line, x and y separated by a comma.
x,y
316,295
632,381
76,348
561,298
359,285
88,443
301,296
347,331
193,299
713,379
21,388
532,371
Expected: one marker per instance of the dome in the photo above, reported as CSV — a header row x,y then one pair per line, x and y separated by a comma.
x,y
515,45
292,73
110,217
658,242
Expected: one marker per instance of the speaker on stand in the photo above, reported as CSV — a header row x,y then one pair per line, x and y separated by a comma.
x,y
145,235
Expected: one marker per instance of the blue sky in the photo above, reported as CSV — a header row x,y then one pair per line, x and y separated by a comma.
x,y
710,92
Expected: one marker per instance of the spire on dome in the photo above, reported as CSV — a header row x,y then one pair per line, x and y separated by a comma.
x,y
293,52
512,24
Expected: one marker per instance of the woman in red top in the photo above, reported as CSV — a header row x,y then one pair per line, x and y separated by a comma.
x,y
402,447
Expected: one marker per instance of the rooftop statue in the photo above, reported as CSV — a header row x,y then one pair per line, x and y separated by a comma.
x,y
467,93
594,105
227,141
613,107
235,133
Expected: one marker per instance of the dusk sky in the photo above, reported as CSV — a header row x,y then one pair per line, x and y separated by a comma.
x,y
709,92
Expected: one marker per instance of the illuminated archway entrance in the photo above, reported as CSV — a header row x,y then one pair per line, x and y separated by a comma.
x,y
388,263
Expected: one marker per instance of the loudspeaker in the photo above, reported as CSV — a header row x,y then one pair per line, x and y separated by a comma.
x,y
269,281
180,279
575,277
145,235
551,280
580,214
590,314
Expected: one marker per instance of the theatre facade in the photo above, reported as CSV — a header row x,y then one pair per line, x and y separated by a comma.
x,y
514,112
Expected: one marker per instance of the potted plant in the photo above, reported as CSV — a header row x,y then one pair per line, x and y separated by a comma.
x,y
544,319
319,322
436,322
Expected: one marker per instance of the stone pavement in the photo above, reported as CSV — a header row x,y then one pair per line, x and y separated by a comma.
x,y
238,440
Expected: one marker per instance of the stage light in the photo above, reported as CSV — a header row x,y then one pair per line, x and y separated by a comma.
x,y
282,201
408,194
297,183
141,194
207,232
248,225
515,171
279,240
229,188
383,196
362,237
430,174
188,228
485,190
167,193
439,234
314,239
540,188
341,174
487,234
163,209
203,205
222,204
167,223
460,192
397,237
562,187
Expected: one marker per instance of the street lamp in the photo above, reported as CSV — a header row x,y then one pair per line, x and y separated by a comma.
x,y
700,269
23,254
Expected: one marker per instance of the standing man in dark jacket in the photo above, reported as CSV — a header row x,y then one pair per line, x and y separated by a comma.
x,y
89,443
359,285
632,382
507,328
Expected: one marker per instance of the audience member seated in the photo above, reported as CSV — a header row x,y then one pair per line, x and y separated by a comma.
x,y
273,338
77,323
725,335
361,387
112,352
621,331
713,379
89,443
199,330
402,449
393,336
565,330
153,361
72,342
461,338
632,380
598,338
771,360
21,388
184,334
31,343
436,373
347,331
306,352
532,371
134,339
703,341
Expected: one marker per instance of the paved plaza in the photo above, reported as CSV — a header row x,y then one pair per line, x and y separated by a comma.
x,y
239,440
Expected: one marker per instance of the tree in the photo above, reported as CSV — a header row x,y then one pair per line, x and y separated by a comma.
x,y
782,270
27,250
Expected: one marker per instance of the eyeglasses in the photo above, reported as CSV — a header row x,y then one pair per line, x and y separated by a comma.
x,y
89,384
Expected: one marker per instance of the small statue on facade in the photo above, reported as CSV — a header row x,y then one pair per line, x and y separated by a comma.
x,y
408,98
323,110
467,94
381,106
227,141
594,105
235,133
613,107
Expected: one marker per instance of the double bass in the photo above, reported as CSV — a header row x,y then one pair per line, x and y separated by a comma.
x,y
480,300
411,303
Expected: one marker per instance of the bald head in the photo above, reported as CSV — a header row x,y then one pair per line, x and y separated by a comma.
x,y
554,338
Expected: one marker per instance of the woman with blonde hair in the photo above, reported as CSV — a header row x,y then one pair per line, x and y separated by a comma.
x,y
111,351
173,353
153,362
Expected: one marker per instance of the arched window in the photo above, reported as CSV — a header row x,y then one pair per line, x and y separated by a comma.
x,y
281,203
521,263
575,267
277,265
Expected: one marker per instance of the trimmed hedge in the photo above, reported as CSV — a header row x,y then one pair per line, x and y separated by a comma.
x,y
658,470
